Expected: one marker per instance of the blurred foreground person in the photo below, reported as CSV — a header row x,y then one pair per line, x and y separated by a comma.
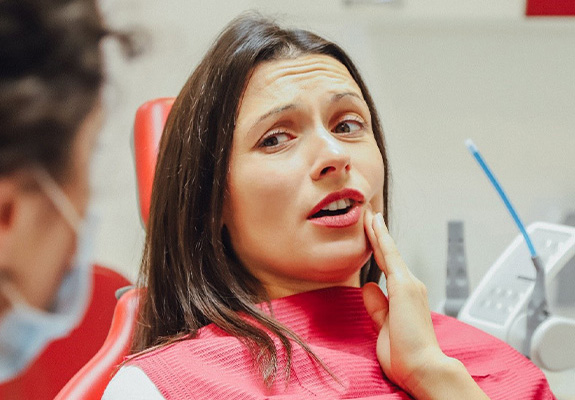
x,y
55,307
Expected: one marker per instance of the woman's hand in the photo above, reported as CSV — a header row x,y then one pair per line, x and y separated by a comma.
x,y
407,348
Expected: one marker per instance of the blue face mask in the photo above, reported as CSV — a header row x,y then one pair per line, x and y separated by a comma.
x,y
25,331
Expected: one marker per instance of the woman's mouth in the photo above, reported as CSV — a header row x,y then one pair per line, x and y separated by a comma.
x,y
338,210
338,218
338,207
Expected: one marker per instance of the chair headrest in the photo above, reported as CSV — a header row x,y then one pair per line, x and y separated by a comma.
x,y
148,127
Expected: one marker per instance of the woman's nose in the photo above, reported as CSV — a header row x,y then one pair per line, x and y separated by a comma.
x,y
331,156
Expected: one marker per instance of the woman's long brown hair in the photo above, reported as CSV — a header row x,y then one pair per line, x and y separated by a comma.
x,y
189,271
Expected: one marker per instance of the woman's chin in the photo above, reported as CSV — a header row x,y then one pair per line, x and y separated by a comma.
x,y
339,267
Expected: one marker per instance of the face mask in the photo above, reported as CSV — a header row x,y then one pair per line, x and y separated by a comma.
x,y
25,331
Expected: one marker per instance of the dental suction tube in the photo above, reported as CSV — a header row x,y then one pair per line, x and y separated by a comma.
x,y
537,310
475,153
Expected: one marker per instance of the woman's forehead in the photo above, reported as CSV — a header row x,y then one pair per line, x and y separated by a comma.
x,y
288,82
284,72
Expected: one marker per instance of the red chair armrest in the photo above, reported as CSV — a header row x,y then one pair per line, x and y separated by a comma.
x,y
91,381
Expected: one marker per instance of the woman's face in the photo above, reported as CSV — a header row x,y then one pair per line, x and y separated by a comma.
x,y
304,164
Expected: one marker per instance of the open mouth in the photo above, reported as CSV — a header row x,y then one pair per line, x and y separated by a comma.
x,y
338,207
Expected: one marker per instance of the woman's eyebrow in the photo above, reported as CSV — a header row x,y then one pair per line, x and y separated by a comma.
x,y
274,111
277,110
338,96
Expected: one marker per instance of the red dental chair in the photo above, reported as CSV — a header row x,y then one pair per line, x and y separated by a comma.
x,y
91,381
148,126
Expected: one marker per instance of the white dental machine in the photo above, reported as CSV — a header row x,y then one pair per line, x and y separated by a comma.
x,y
527,298
500,304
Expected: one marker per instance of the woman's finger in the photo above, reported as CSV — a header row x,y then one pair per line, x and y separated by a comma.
x,y
391,258
377,250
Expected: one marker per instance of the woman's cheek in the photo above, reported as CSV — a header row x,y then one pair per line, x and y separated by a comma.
x,y
266,192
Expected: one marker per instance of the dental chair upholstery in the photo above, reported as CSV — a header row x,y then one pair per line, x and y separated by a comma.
x,y
148,126
91,381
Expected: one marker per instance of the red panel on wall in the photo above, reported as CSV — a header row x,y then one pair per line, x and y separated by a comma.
x,y
550,7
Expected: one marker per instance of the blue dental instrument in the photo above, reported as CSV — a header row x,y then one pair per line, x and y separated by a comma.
x,y
537,308
475,152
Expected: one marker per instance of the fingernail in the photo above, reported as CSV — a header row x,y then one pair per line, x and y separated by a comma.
x,y
378,221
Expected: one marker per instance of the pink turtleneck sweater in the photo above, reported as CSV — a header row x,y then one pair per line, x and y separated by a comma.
x,y
337,328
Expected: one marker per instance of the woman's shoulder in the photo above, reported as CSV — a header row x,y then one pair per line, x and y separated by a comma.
x,y
192,356
130,382
493,363
452,332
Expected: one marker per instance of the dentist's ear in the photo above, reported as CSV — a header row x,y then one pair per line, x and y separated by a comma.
x,y
17,207
10,192
12,189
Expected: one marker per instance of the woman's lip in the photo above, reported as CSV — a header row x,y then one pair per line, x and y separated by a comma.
x,y
346,193
339,221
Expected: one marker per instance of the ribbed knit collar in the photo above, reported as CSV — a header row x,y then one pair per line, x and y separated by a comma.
x,y
327,315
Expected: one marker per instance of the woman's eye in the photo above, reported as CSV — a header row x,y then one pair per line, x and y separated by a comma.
x,y
348,126
275,139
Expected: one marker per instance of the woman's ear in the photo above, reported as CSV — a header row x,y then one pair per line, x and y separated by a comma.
x,y
225,218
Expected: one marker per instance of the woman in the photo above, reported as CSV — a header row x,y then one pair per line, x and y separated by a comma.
x,y
51,75
270,197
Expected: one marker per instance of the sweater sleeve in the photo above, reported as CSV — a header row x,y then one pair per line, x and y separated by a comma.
x,y
131,383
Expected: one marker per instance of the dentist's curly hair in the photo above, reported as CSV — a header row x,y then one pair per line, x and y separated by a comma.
x,y
51,73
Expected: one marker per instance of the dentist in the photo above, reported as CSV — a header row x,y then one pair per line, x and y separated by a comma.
x,y
51,75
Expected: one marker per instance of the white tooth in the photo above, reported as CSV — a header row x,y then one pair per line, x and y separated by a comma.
x,y
347,202
326,208
332,206
341,204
